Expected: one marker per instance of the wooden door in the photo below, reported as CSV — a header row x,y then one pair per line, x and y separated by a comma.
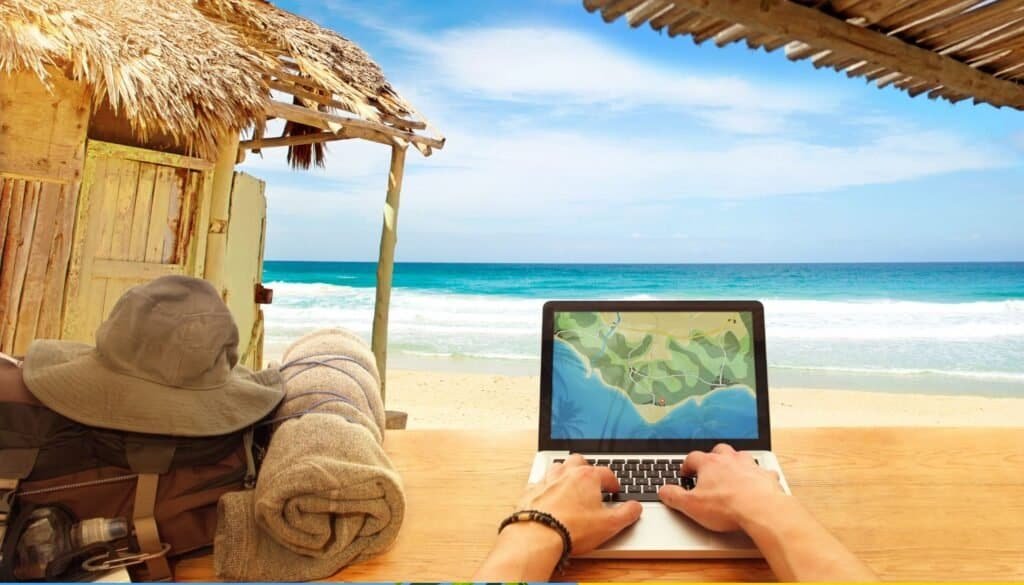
x,y
139,217
243,264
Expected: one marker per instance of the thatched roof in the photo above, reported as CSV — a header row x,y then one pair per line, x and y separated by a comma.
x,y
196,69
950,49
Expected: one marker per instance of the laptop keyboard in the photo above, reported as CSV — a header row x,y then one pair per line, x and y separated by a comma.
x,y
641,479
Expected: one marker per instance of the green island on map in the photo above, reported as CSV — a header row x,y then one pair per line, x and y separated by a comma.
x,y
659,360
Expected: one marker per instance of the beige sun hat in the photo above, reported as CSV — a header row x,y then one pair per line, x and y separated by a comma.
x,y
164,363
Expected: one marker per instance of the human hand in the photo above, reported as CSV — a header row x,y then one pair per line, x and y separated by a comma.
x,y
730,488
571,492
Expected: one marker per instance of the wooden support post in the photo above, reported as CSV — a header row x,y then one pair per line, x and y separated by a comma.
x,y
220,208
385,265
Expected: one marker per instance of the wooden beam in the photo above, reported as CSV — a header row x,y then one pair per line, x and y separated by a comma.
x,y
403,123
646,11
306,94
108,149
288,84
303,115
617,8
293,140
385,265
811,26
328,136
328,121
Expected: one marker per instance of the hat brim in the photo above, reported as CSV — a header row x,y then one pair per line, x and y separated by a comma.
x,y
71,379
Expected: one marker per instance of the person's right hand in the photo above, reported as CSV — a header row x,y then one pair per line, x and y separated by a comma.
x,y
730,486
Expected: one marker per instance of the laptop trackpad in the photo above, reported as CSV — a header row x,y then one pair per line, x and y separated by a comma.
x,y
663,532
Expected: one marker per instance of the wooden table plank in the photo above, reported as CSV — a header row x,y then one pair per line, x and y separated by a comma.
x,y
914,503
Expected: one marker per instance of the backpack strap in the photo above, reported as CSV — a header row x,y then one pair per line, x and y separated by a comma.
x,y
149,459
15,465
146,532
248,444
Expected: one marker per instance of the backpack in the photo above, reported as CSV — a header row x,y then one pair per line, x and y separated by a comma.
x,y
166,487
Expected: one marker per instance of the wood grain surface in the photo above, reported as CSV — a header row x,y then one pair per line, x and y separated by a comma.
x,y
915,503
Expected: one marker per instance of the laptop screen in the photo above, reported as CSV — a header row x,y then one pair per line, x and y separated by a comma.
x,y
643,376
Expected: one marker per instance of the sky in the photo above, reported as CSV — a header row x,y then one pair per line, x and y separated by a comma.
x,y
571,140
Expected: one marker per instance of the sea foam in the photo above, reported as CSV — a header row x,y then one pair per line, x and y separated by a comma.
x,y
982,340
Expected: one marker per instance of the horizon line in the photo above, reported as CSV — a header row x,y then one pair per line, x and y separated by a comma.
x,y
598,263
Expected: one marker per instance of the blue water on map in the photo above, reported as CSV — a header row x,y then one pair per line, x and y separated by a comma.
x,y
583,407
943,327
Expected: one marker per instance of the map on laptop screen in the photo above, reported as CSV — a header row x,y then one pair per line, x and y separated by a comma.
x,y
653,375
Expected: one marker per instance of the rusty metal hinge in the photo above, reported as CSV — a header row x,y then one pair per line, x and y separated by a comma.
x,y
264,295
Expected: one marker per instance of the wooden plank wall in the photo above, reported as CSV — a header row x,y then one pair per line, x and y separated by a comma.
x,y
243,262
36,222
42,149
42,129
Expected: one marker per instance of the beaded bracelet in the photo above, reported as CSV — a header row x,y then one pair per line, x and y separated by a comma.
x,y
549,521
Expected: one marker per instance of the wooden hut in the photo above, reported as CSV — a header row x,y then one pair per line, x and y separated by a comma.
x,y
949,49
120,126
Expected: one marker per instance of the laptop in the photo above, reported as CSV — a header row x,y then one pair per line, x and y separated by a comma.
x,y
636,385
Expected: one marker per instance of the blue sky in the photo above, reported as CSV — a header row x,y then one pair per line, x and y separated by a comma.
x,y
570,140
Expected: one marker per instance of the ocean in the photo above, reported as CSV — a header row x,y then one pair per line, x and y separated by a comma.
x,y
942,328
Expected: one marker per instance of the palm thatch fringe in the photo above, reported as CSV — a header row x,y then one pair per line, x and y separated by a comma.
x,y
192,69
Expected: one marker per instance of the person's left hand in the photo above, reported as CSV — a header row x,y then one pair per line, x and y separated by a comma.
x,y
571,492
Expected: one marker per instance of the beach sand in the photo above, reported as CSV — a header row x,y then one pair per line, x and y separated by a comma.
x,y
497,402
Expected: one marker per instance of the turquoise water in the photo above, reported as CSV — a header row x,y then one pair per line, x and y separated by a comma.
x,y
939,282
955,328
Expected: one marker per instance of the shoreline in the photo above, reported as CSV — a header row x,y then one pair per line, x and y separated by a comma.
x,y
489,401
778,377
932,384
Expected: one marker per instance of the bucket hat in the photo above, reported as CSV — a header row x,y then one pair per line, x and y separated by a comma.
x,y
164,363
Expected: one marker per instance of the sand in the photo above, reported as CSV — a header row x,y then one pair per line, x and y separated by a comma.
x,y
498,402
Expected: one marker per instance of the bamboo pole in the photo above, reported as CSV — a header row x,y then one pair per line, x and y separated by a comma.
x,y
385,265
220,204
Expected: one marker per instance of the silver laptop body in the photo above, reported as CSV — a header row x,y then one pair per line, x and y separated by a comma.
x,y
623,381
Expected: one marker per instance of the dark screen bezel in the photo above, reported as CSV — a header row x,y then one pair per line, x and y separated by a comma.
x,y
547,443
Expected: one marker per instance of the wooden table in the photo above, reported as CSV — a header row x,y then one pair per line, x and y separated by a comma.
x,y
914,503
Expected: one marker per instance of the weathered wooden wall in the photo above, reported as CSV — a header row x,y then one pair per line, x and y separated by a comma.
x,y
42,130
83,220
36,222
243,262
42,149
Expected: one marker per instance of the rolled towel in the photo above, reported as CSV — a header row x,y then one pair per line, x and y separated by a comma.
x,y
327,495
332,370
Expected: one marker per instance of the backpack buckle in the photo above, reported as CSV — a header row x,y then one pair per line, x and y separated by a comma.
x,y
8,489
122,558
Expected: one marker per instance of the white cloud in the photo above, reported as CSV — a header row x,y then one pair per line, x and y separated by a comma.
x,y
533,175
508,172
549,169
559,68
545,64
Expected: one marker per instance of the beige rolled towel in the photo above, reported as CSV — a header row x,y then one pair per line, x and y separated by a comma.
x,y
326,495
